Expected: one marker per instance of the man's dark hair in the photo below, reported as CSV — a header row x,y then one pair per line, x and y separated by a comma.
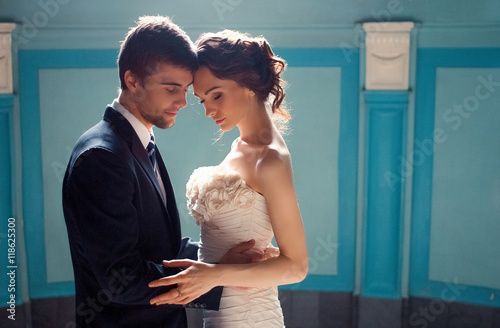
x,y
155,40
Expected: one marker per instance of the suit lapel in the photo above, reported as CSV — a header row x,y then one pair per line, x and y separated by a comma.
x,y
127,133
169,190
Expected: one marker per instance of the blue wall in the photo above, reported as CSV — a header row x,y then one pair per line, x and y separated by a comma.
x,y
430,231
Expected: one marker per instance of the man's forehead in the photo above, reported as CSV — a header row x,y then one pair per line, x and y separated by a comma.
x,y
167,73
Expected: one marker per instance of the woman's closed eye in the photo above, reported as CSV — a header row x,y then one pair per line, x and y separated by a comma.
x,y
216,95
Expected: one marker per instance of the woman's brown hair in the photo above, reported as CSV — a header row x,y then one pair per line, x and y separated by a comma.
x,y
249,61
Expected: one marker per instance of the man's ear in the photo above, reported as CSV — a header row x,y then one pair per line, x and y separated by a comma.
x,y
131,80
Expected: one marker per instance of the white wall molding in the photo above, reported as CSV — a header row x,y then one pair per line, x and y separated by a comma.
x,y
348,37
6,57
387,55
106,37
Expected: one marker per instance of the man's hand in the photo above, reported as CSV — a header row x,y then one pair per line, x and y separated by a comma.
x,y
243,253
237,255
198,278
271,252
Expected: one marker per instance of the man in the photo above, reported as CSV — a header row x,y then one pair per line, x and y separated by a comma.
x,y
118,201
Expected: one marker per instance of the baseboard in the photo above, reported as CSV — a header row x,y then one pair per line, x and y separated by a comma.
x,y
302,309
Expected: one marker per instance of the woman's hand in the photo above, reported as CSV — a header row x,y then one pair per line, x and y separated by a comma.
x,y
196,279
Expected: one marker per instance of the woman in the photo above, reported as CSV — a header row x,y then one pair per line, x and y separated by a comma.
x,y
250,194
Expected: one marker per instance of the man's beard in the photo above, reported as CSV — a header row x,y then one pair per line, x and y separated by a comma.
x,y
157,121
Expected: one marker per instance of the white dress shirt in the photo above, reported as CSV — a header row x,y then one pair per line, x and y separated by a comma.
x,y
144,136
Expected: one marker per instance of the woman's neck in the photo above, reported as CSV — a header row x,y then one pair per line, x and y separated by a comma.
x,y
257,128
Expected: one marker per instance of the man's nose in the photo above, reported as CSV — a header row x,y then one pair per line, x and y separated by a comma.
x,y
181,102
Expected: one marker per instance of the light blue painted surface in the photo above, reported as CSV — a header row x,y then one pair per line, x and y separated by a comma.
x,y
314,97
71,100
463,283
347,166
386,120
465,215
287,23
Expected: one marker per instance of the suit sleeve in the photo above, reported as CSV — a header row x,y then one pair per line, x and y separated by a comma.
x,y
189,249
100,190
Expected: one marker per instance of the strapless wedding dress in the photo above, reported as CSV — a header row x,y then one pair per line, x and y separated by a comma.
x,y
229,212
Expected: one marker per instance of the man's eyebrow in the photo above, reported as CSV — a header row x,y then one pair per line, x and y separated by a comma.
x,y
171,83
176,84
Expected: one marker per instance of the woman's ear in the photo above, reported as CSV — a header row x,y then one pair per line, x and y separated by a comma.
x,y
250,92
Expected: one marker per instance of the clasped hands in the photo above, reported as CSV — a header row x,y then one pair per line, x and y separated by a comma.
x,y
197,278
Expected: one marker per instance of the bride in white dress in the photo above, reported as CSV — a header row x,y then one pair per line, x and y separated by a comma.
x,y
250,195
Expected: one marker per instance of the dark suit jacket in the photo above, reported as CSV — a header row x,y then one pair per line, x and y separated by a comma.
x,y
120,230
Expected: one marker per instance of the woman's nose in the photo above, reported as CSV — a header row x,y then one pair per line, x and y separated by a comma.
x,y
209,111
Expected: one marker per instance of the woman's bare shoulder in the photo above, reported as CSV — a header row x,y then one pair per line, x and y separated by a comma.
x,y
273,163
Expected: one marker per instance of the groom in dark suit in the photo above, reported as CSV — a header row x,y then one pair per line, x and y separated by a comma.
x,y
118,201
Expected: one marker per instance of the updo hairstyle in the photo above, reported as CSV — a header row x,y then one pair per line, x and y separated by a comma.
x,y
249,61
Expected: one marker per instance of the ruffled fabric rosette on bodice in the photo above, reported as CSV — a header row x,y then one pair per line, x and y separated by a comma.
x,y
212,190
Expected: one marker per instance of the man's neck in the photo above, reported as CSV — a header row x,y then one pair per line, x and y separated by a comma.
x,y
126,100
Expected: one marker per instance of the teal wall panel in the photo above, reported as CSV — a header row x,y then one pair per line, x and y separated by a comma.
x,y
314,97
346,174
65,92
30,63
383,217
465,213
455,216
7,236
71,100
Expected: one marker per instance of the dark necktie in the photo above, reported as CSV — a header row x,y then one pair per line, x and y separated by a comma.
x,y
151,151
152,157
